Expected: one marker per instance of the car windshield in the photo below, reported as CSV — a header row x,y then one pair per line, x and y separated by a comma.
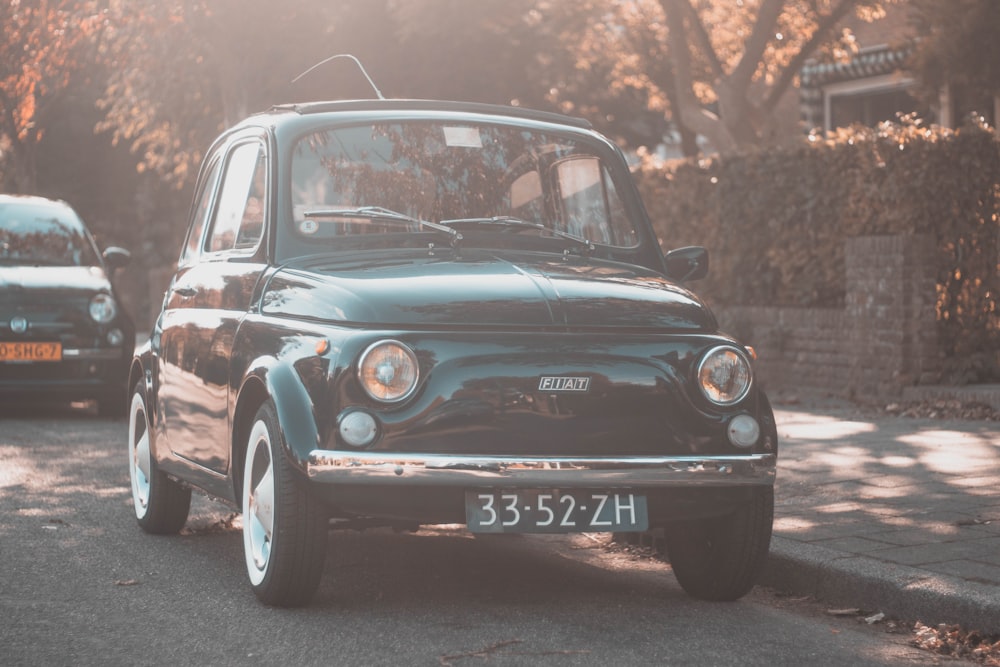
x,y
43,235
485,179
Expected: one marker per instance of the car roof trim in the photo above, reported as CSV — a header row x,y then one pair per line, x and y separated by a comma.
x,y
306,108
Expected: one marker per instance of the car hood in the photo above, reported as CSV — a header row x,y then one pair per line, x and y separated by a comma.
x,y
487,290
51,283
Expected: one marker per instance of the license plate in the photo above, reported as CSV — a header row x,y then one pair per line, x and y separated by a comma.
x,y
30,351
552,511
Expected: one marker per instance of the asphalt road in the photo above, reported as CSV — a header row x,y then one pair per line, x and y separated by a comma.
x,y
81,584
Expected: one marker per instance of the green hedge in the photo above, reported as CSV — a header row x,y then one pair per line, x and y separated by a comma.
x,y
775,223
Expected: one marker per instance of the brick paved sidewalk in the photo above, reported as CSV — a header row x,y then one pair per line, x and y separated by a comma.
x,y
888,513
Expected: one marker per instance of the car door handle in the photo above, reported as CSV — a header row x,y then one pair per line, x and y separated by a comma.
x,y
185,291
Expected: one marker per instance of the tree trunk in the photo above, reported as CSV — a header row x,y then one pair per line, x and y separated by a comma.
x,y
686,104
26,177
22,167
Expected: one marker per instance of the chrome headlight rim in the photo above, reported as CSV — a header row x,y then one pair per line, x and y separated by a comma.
x,y
745,363
102,308
365,358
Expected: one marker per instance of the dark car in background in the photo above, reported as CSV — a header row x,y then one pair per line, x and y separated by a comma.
x,y
400,313
64,335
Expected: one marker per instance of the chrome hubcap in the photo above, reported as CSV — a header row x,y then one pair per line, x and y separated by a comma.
x,y
258,503
139,455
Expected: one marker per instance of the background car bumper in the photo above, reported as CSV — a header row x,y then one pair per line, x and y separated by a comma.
x,y
82,373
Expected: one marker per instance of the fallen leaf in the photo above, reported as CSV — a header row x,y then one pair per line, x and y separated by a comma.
x,y
973,522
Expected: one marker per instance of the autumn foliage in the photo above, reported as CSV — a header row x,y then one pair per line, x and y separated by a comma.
x,y
42,45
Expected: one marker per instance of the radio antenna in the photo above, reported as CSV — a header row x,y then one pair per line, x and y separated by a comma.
x,y
356,62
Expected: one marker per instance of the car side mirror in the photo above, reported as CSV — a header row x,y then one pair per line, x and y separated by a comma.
x,y
116,258
688,263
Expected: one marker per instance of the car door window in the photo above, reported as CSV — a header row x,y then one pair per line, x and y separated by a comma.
x,y
239,215
623,232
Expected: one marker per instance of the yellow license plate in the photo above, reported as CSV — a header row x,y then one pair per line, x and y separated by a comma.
x,y
30,351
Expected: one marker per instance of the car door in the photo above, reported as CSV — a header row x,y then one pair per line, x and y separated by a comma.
x,y
209,296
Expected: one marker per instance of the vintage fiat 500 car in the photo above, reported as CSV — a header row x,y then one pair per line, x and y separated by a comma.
x,y
64,335
416,313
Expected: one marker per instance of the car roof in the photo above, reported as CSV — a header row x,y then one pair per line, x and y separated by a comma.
x,y
66,213
451,107
32,200
43,206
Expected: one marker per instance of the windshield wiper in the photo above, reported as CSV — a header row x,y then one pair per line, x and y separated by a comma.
x,y
384,214
518,224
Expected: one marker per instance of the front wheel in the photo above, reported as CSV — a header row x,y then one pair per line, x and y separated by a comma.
x,y
161,504
284,527
719,559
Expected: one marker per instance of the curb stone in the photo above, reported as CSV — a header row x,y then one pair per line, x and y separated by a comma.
x,y
898,591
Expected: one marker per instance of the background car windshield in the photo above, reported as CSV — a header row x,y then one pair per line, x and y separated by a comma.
x,y
452,171
43,236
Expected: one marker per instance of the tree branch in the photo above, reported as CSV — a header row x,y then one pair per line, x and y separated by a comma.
x,y
753,51
791,70
703,40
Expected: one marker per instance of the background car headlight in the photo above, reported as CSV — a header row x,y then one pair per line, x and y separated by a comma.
x,y
115,337
724,375
103,308
388,371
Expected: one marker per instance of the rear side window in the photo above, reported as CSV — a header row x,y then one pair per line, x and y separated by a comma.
x,y
200,218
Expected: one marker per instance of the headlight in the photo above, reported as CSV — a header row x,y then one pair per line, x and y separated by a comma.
x,y
388,371
103,308
724,375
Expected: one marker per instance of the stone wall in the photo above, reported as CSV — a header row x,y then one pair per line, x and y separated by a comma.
x,y
882,341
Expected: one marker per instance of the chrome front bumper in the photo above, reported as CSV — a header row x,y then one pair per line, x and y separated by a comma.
x,y
95,354
354,468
